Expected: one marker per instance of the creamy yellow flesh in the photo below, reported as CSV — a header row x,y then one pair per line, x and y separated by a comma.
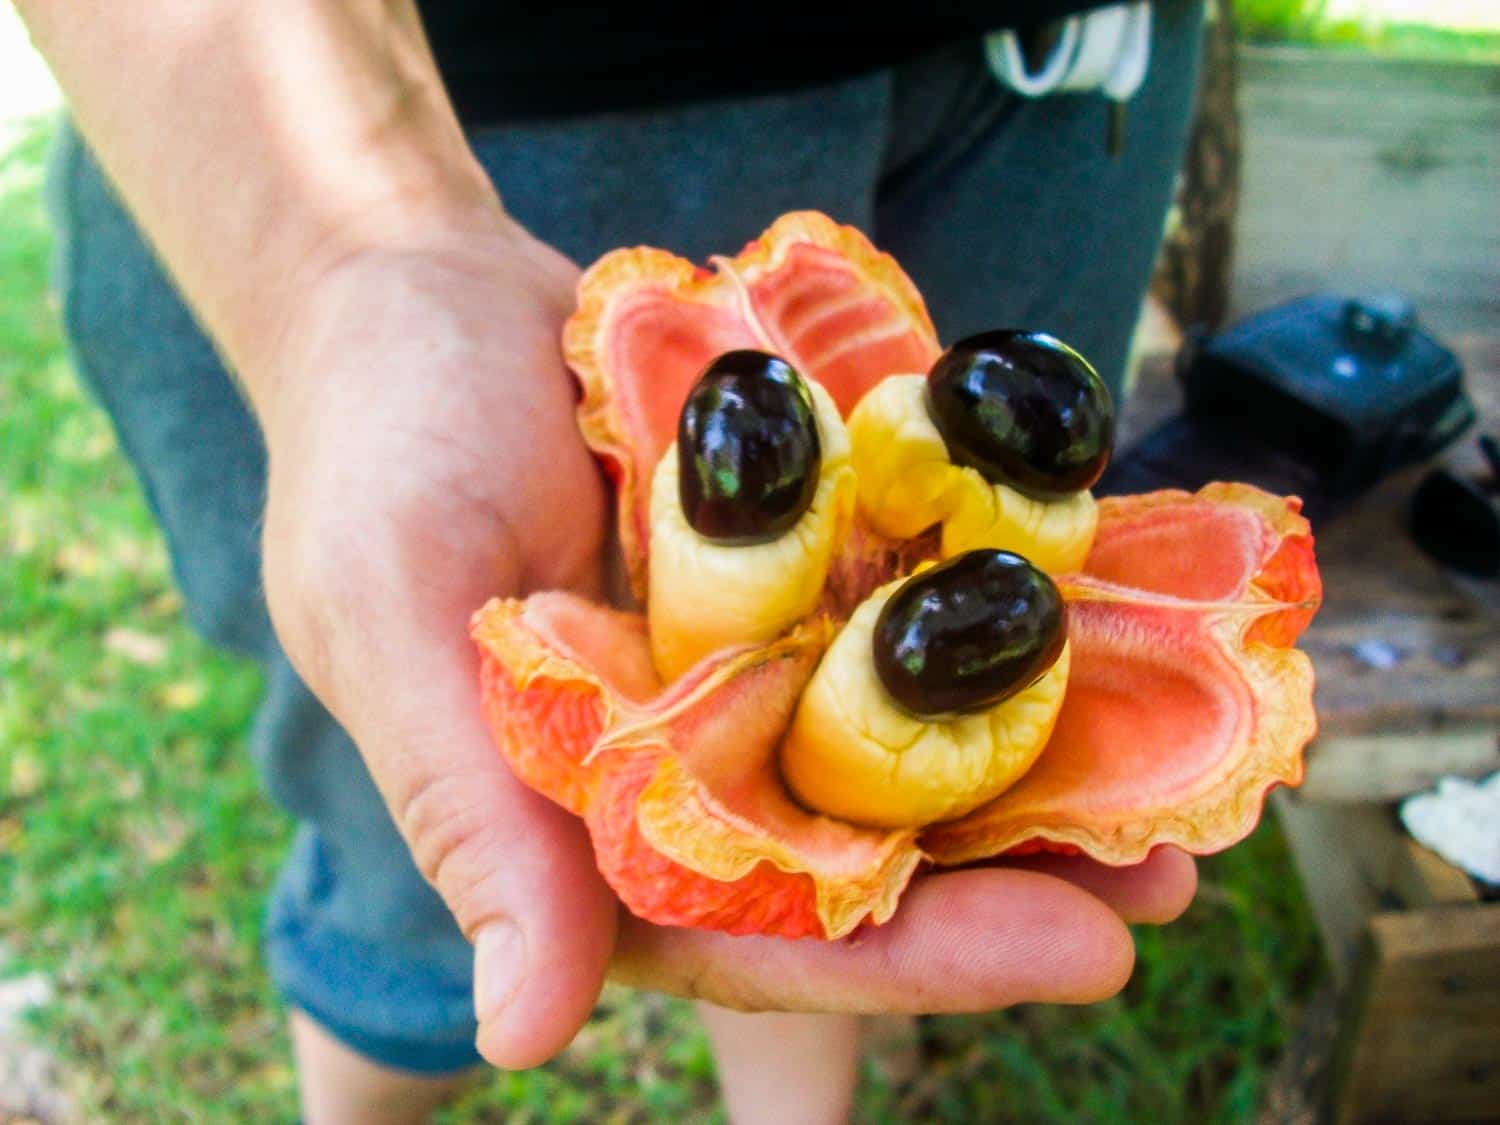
x,y
705,596
907,484
853,754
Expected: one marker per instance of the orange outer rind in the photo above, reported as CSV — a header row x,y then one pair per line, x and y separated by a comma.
x,y
678,785
1186,701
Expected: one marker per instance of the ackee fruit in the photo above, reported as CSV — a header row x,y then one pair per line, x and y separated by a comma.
x,y
934,698
712,593
747,754
908,482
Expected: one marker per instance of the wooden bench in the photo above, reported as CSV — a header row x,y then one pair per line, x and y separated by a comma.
x,y
1408,664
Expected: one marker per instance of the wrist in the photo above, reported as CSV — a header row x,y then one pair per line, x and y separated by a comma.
x,y
405,195
406,298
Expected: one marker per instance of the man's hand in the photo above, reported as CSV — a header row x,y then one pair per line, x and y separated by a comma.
x,y
424,457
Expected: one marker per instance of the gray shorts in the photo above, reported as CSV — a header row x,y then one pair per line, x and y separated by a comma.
x,y
1006,212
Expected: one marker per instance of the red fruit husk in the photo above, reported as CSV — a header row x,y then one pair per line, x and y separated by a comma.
x,y
678,785
1185,704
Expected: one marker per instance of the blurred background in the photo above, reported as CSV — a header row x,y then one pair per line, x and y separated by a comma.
x,y
136,847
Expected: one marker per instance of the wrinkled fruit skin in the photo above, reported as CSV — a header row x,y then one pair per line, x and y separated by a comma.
x,y
1176,702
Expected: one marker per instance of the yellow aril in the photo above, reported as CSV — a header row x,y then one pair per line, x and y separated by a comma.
x,y
907,484
706,596
853,754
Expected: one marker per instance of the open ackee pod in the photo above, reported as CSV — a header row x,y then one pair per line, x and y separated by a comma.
x,y
1185,701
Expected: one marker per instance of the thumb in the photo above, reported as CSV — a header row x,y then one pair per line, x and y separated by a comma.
x,y
517,872
543,926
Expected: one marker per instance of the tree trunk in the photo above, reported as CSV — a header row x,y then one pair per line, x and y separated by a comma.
x,y
1197,256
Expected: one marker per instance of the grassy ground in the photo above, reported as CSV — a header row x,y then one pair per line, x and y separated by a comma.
x,y
1453,32
135,850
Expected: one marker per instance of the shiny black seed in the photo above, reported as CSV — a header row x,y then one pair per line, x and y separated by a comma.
x,y
747,449
968,633
1025,410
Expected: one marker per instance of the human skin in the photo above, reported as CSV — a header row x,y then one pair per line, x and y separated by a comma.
x,y
298,168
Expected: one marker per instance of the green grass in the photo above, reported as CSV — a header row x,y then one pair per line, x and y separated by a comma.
x,y
134,844
1307,23
136,849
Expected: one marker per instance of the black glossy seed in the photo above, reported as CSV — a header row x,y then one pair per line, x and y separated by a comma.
x,y
1025,410
747,449
968,633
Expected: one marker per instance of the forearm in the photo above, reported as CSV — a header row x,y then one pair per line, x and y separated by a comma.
x,y
259,144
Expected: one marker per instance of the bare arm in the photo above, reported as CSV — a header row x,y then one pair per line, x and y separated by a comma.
x,y
298,167
261,143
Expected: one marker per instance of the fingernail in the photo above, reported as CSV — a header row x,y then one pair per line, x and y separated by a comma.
x,y
499,958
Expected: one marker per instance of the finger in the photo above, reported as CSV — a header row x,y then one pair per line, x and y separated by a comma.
x,y
1155,891
962,941
516,871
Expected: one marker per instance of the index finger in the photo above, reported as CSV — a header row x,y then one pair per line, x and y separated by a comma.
x,y
1156,891
962,941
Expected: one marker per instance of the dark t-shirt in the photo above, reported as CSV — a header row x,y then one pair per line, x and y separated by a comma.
x,y
508,61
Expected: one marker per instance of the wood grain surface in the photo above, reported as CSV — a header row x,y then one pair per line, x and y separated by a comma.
x,y
1400,645
1427,1001
1367,173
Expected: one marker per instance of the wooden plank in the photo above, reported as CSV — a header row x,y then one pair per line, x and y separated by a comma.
x,y
1355,860
1422,1029
1338,850
1420,877
1387,767
1369,173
